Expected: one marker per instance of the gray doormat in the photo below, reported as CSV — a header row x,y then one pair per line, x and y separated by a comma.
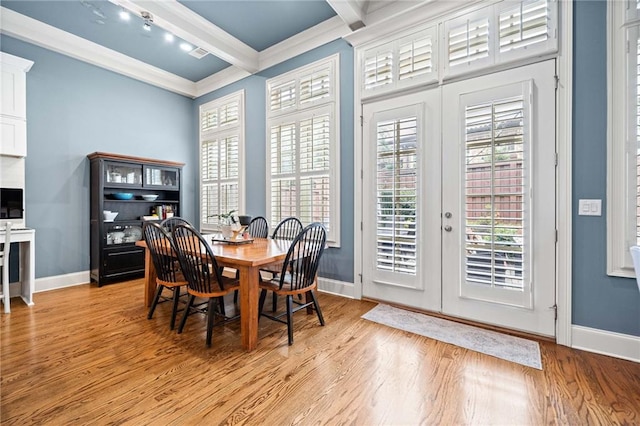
x,y
504,346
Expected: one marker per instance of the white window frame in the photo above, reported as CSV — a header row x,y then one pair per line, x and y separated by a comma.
x,y
300,111
623,26
223,131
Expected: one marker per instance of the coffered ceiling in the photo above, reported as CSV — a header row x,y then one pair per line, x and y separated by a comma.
x,y
191,46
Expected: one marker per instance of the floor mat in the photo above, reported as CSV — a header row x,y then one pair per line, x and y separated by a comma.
x,y
499,345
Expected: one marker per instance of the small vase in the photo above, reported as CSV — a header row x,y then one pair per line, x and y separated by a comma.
x,y
226,230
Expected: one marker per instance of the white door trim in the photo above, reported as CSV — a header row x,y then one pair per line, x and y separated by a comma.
x,y
564,195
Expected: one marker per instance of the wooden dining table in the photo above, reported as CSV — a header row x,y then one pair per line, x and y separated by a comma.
x,y
248,259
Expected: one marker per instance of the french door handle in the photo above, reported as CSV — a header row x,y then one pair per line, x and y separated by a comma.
x,y
448,228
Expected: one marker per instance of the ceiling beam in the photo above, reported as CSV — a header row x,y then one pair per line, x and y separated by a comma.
x,y
35,32
193,28
350,12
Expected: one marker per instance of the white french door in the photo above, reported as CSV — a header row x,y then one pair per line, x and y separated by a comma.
x,y
401,200
463,221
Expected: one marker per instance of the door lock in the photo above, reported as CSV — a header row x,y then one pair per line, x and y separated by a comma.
x,y
448,215
448,228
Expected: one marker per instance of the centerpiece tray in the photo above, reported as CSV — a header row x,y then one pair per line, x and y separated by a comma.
x,y
221,239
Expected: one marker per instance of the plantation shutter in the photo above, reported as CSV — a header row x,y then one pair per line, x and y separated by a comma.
x,y
316,85
468,41
524,24
634,112
208,120
415,58
396,193
495,193
209,172
220,174
633,10
283,166
229,114
282,96
378,67
315,140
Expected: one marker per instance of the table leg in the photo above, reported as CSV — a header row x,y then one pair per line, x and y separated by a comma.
x,y
149,278
28,269
249,306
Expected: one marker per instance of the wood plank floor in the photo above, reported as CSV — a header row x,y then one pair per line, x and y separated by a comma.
x,y
88,355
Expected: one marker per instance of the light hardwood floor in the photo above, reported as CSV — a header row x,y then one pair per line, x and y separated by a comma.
x,y
88,355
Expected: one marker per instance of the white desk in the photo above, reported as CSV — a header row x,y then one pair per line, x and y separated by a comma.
x,y
27,240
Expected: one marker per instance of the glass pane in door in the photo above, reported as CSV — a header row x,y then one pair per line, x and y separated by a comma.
x,y
396,195
495,202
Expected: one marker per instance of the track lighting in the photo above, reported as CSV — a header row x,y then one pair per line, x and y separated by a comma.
x,y
148,20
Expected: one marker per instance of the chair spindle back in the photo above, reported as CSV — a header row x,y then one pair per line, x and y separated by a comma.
x,y
199,265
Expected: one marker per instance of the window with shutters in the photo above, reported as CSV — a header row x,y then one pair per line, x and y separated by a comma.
x,y
623,192
221,158
505,32
405,62
302,152
495,188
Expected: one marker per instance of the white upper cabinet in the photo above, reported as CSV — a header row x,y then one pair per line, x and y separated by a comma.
x,y
13,105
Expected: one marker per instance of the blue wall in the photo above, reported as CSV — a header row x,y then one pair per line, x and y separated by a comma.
x,y
337,263
599,301
75,109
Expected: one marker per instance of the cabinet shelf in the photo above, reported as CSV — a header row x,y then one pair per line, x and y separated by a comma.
x,y
114,255
158,201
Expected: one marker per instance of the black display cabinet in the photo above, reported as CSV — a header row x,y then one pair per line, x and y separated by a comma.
x,y
138,189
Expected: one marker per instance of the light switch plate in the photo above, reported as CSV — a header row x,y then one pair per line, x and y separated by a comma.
x,y
590,207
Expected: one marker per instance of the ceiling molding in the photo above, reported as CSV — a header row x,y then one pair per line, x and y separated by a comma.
x,y
219,80
350,12
35,32
193,28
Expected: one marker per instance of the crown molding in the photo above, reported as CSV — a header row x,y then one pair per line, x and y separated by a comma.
x,y
219,80
193,28
35,32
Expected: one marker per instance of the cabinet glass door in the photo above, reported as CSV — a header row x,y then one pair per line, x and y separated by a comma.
x,y
122,174
161,177
123,234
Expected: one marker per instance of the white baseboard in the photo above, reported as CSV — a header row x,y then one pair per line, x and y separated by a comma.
x,y
606,342
339,288
61,281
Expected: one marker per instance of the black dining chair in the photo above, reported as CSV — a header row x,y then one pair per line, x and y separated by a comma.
x,y
169,274
204,277
287,229
170,223
258,228
298,276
